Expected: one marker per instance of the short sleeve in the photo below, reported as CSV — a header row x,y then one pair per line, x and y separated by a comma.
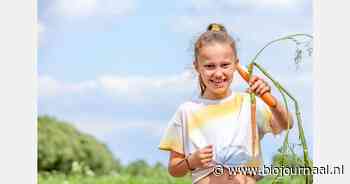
x,y
172,139
263,117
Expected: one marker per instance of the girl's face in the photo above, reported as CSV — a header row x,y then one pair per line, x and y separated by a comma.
x,y
216,64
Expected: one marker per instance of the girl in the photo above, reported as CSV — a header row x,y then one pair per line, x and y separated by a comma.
x,y
215,128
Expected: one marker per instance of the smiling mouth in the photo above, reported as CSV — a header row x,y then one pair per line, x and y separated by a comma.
x,y
218,83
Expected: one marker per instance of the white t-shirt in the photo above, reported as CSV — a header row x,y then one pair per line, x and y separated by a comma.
x,y
224,123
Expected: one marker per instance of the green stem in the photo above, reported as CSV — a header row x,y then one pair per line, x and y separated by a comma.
x,y
285,142
284,92
289,37
250,73
297,113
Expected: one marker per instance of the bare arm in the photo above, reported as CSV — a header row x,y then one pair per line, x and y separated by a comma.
x,y
177,166
280,116
201,158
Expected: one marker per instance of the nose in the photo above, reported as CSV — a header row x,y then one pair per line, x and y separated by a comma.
x,y
219,73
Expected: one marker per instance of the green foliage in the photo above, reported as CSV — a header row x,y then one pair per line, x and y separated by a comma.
x,y
128,179
141,168
111,179
283,180
287,160
62,148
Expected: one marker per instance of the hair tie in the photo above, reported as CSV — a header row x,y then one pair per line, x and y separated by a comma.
x,y
215,27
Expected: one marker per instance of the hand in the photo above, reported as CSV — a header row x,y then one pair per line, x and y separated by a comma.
x,y
201,158
258,86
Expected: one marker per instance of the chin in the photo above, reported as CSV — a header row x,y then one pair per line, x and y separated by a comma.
x,y
220,91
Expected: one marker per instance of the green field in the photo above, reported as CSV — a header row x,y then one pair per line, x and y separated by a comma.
x,y
120,179
127,179
67,156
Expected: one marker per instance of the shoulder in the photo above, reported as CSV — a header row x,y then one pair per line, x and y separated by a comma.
x,y
188,106
191,104
181,111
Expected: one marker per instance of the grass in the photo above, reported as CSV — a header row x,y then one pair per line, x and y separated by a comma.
x,y
284,180
118,179
127,179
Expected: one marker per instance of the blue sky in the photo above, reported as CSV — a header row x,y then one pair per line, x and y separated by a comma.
x,y
119,69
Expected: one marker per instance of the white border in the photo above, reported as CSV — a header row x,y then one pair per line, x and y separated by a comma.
x,y
331,74
18,92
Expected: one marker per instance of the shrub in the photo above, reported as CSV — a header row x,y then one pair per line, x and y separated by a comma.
x,y
60,146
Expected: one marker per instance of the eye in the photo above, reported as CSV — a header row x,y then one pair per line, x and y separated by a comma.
x,y
226,65
209,66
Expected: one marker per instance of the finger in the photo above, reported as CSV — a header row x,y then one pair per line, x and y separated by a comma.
x,y
255,86
206,161
209,146
265,90
253,79
260,89
206,156
207,150
207,165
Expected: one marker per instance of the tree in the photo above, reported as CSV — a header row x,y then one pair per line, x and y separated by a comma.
x,y
60,146
138,168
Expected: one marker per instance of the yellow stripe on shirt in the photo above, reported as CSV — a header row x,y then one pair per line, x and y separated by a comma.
x,y
210,112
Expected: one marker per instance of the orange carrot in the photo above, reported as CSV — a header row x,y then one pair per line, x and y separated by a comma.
x,y
254,131
266,97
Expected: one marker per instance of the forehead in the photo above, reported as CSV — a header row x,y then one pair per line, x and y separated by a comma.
x,y
216,52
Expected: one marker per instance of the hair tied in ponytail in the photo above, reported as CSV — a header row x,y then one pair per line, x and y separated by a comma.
x,y
216,27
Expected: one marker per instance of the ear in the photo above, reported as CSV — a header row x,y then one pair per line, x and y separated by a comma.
x,y
195,65
236,61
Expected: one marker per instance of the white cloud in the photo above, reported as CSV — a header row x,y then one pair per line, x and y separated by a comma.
x,y
135,87
87,8
141,87
217,5
244,26
252,19
115,83
274,2
102,129
76,7
192,24
50,87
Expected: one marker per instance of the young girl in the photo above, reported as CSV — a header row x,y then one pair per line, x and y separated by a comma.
x,y
215,128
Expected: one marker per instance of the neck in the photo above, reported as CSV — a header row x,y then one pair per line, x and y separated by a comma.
x,y
213,96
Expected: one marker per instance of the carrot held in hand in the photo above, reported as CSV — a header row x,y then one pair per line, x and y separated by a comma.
x,y
266,97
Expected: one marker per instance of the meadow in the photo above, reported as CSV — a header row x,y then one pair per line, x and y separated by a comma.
x,y
68,156
128,179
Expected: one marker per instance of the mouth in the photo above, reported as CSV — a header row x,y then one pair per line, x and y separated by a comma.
x,y
219,83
